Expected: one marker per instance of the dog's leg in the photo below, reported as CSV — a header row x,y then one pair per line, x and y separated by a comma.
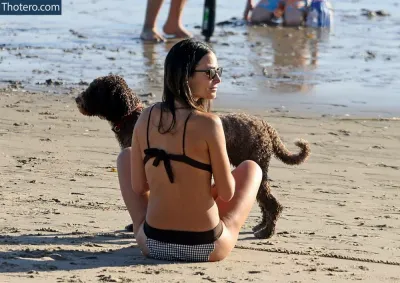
x,y
271,210
260,225
129,228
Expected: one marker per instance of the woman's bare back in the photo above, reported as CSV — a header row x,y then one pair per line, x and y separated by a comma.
x,y
187,203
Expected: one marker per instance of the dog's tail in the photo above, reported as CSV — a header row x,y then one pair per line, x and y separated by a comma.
x,y
285,155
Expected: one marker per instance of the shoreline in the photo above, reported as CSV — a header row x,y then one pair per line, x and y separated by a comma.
x,y
273,106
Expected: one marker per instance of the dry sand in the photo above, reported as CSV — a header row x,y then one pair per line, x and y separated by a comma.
x,y
62,216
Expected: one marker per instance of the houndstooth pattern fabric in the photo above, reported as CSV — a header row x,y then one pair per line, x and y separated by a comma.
x,y
177,252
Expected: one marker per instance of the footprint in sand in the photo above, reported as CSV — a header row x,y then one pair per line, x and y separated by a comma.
x,y
21,124
388,166
209,279
378,147
334,269
340,132
253,271
47,229
106,278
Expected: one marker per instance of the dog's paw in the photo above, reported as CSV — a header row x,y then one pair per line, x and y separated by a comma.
x,y
265,233
129,228
258,227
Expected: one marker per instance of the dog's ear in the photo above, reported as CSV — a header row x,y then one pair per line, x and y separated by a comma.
x,y
119,104
123,100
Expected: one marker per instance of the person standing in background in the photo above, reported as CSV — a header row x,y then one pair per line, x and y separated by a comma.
x,y
173,26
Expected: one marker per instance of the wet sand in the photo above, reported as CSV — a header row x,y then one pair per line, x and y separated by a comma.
x,y
350,70
62,215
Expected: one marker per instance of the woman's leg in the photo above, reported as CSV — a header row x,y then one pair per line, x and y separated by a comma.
x,y
149,32
174,26
234,213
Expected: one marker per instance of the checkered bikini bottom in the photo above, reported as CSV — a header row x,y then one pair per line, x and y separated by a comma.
x,y
181,245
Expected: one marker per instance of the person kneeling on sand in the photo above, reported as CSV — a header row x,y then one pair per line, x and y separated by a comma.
x,y
292,12
166,175
311,13
263,12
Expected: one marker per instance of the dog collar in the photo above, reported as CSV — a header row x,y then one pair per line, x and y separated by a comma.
x,y
117,126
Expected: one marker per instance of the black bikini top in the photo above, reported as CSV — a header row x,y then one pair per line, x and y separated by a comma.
x,y
161,154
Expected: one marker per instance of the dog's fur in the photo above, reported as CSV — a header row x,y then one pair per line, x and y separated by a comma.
x,y
247,137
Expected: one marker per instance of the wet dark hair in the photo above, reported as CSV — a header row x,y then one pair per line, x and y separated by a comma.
x,y
179,66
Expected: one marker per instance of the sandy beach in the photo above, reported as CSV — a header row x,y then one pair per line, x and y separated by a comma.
x,y
62,215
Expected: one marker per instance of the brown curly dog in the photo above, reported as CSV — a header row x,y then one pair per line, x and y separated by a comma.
x,y
247,137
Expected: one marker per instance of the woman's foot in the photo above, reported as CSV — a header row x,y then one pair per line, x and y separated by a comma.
x,y
151,35
176,31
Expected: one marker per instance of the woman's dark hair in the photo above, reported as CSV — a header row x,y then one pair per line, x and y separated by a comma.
x,y
179,66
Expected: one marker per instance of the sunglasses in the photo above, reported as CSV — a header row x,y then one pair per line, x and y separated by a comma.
x,y
212,72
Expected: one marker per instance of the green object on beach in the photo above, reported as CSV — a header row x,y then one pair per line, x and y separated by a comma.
x,y
207,28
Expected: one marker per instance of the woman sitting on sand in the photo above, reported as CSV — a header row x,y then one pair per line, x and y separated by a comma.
x,y
177,146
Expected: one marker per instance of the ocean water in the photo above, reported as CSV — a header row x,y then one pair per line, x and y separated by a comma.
x,y
351,70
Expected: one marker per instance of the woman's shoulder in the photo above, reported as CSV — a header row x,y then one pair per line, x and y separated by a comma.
x,y
149,108
207,120
144,116
206,117
146,111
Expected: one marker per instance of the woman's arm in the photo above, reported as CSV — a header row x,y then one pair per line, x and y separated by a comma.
x,y
138,175
224,181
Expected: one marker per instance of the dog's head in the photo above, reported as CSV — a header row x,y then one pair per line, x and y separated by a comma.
x,y
109,98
